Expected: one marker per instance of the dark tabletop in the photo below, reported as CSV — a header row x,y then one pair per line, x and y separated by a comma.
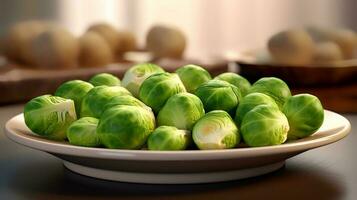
x,y
328,172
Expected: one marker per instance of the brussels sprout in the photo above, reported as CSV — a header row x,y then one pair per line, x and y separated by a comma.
x,y
181,110
273,87
219,95
305,115
50,116
135,76
94,102
83,132
215,130
125,100
193,76
158,88
168,138
251,101
75,90
236,80
125,127
263,126
105,79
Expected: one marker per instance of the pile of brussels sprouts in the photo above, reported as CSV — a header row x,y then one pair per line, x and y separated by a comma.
x,y
156,110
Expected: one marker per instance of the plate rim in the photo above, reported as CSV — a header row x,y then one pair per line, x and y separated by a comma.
x,y
54,147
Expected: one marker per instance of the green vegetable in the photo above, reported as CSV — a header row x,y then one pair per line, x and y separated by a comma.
x,y
168,138
239,81
125,127
273,87
219,95
50,116
75,90
305,115
215,130
105,79
135,76
181,110
263,126
94,102
125,100
83,132
158,88
251,101
193,76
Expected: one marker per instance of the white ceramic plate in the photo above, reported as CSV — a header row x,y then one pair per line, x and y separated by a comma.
x,y
177,167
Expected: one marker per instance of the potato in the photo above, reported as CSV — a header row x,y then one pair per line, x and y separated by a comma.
x,y
127,42
55,48
293,47
109,33
318,34
94,50
327,52
346,39
17,42
165,41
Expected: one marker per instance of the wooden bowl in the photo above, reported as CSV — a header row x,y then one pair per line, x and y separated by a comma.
x,y
253,67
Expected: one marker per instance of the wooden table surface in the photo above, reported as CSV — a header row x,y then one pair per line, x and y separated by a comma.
x,y
328,172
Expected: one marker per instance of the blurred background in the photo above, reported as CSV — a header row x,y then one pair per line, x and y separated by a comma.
x,y
310,44
212,27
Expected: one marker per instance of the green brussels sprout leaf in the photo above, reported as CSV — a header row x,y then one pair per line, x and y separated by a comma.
x,y
251,101
158,88
83,132
182,111
104,79
193,76
93,104
136,75
125,100
125,127
168,138
215,130
264,125
273,87
49,116
305,115
219,95
75,90
239,81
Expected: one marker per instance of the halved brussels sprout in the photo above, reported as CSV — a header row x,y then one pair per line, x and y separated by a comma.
x,y
50,116
75,90
264,126
125,127
83,132
104,79
125,100
181,110
94,102
251,101
215,130
135,76
219,95
193,76
169,138
305,115
158,88
273,87
239,81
